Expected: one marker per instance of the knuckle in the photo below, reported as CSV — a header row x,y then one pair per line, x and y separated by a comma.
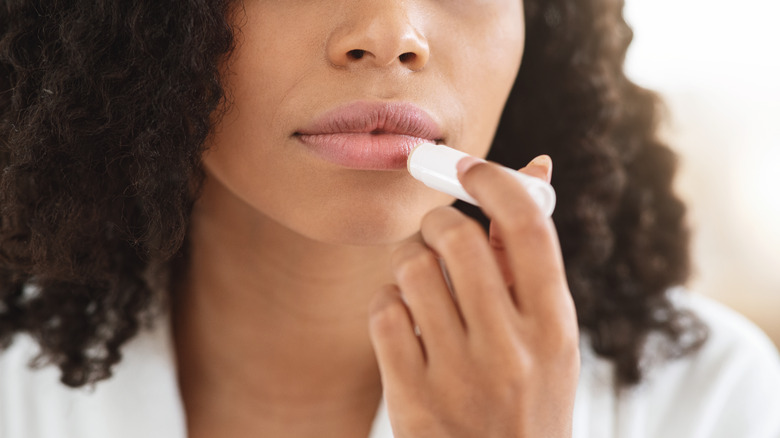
x,y
455,232
386,320
564,342
508,379
525,222
413,260
434,218
561,342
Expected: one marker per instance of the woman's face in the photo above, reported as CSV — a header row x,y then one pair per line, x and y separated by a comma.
x,y
328,96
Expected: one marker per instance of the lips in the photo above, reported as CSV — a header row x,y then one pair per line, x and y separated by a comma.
x,y
369,135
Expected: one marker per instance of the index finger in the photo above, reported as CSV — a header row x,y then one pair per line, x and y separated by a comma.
x,y
530,239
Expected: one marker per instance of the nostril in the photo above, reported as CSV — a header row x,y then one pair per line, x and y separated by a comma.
x,y
356,53
407,57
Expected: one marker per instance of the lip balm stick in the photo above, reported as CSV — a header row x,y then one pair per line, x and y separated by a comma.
x,y
435,166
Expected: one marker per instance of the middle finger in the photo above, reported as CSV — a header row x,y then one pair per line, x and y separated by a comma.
x,y
482,295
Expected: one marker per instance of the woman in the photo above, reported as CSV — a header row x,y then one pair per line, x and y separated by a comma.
x,y
230,174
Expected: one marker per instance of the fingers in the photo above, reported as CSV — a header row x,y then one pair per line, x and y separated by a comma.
x,y
527,237
397,348
482,295
540,167
425,291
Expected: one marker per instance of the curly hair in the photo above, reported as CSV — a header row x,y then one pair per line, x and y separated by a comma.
x,y
105,107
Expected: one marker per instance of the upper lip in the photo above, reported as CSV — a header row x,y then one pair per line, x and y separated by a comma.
x,y
398,118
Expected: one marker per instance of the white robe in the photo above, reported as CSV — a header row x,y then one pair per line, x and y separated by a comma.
x,y
729,389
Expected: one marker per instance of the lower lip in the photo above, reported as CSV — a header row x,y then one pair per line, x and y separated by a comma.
x,y
365,151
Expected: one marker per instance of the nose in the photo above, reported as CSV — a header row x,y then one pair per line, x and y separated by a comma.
x,y
378,34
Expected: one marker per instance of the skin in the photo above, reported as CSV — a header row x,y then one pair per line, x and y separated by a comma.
x,y
291,321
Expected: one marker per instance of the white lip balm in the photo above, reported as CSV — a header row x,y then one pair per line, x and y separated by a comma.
x,y
435,166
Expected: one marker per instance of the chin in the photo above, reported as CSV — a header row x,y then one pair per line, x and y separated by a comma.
x,y
371,223
367,234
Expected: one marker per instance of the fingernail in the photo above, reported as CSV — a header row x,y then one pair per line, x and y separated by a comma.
x,y
541,160
545,162
466,163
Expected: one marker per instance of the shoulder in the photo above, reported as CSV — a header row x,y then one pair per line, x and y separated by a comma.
x,y
140,399
738,358
25,393
730,332
730,387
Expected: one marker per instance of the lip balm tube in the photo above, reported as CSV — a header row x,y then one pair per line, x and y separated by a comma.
x,y
435,166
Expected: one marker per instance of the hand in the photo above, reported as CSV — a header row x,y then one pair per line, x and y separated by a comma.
x,y
497,357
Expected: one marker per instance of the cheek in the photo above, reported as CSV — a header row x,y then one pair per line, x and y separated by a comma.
x,y
248,151
489,56
278,49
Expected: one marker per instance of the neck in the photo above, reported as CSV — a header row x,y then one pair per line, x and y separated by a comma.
x,y
270,319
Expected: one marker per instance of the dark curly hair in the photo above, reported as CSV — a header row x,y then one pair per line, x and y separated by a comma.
x,y
105,107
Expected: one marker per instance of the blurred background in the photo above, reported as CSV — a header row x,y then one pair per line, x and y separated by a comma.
x,y
716,64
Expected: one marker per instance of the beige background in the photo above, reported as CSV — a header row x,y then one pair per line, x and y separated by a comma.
x,y
717,64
